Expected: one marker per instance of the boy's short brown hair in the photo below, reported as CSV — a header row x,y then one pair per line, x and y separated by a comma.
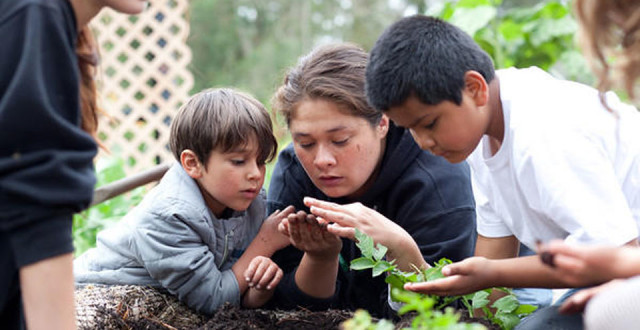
x,y
222,119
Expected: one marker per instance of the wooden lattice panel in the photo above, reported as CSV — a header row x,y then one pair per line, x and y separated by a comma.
x,y
143,81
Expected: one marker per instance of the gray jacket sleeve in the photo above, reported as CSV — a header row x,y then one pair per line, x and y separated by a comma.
x,y
175,255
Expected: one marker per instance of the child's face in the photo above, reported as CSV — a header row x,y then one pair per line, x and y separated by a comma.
x,y
338,151
446,129
232,179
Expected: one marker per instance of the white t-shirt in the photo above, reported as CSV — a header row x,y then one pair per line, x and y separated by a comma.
x,y
567,167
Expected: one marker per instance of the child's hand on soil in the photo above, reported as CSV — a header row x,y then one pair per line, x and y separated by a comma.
x,y
309,234
263,274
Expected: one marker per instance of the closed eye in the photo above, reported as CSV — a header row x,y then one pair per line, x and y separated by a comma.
x,y
341,142
431,125
237,162
306,145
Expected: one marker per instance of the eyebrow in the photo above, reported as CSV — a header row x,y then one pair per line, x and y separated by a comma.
x,y
332,130
417,121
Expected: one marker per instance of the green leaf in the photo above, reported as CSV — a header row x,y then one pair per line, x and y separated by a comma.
x,y
546,29
470,20
480,299
379,252
510,30
384,325
365,243
524,310
361,263
506,304
507,321
395,281
472,3
381,267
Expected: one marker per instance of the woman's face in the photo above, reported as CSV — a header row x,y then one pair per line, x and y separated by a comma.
x,y
339,152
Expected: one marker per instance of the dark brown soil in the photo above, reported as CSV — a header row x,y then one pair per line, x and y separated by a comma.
x,y
233,318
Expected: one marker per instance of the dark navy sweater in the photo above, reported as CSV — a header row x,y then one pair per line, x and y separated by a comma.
x,y
46,160
424,194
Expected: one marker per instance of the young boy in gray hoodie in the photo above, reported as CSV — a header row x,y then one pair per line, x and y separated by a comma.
x,y
201,233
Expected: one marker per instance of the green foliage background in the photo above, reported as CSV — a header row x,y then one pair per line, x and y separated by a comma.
x,y
249,44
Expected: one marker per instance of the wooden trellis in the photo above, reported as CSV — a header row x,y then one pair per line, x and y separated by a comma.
x,y
143,81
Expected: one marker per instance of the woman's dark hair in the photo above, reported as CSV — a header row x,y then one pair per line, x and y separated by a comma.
x,y
87,53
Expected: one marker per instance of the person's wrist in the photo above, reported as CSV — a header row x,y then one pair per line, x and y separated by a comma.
x,y
265,244
494,274
322,256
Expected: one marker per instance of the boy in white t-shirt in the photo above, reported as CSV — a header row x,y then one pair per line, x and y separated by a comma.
x,y
548,160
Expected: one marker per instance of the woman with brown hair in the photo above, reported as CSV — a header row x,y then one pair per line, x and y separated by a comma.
x,y
47,126
356,169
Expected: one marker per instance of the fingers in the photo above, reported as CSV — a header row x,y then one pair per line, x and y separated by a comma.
x,y
338,230
275,280
440,287
560,247
576,302
270,277
251,270
263,273
287,210
283,227
310,201
336,216
295,223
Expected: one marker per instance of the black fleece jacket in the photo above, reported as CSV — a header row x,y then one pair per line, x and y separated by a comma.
x,y
424,194
46,160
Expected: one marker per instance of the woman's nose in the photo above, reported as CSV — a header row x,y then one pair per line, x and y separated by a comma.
x,y
324,157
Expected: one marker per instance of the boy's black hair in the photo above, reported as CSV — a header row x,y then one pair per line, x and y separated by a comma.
x,y
422,56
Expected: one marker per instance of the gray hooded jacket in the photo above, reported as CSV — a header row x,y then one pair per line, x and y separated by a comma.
x,y
172,240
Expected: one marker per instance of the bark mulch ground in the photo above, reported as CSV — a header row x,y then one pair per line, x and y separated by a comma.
x,y
134,307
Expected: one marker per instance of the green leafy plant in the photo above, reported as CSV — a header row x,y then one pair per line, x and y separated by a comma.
x,y
542,35
508,310
88,223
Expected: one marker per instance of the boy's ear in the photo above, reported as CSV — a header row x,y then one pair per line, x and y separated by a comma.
x,y
190,163
476,87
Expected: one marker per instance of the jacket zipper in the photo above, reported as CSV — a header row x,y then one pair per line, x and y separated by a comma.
x,y
225,254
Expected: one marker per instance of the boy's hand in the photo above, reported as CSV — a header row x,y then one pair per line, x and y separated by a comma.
x,y
310,235
263,274
462,277
269,230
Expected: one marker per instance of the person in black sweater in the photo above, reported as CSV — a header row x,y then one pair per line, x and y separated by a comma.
x,y
355,169
47,119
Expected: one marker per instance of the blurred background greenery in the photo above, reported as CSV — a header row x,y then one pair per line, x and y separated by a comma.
x,y
249,44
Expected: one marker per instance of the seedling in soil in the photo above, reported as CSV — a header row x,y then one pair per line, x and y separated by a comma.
x,y
508,311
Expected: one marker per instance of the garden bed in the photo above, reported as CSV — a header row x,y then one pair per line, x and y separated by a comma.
x,y
134,307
